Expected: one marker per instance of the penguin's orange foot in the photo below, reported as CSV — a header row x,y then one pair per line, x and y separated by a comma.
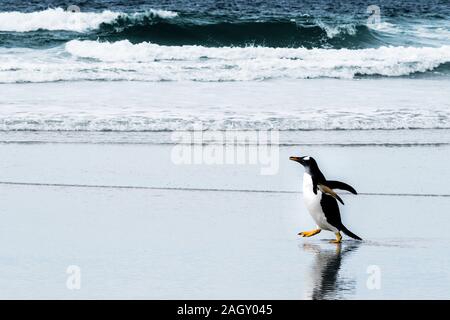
x,y
309,233
338,238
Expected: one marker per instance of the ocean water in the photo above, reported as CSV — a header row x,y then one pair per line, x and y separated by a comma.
x,y
228,64
222,41
288,106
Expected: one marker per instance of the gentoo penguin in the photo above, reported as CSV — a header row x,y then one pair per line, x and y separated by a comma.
x,y
320,200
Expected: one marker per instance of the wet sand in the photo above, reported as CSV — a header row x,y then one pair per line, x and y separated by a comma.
x,y
212,244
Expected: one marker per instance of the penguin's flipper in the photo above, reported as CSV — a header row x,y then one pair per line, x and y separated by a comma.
x,y
327,190
340,185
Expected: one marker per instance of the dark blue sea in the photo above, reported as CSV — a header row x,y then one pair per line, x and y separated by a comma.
x,y
286,24
197,34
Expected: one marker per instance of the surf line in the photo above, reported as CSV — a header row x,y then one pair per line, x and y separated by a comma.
x,y
99,186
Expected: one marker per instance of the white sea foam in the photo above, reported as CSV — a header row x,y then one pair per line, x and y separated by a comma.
x,y
309,119
320,120
415,31
322,104
60,19
256,63
334,30
122,60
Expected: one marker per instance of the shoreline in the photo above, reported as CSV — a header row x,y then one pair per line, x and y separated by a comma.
x,y
308,105
344,138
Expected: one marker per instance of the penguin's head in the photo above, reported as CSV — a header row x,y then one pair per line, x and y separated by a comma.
x,y
308,162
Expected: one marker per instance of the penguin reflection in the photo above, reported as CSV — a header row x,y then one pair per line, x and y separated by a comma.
x,y
325,278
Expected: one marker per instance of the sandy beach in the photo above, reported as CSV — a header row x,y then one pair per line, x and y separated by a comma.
x,y
216,244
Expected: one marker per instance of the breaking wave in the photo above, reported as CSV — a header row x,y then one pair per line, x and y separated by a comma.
x,y
60,19
307,120
123,60
52,26
268,33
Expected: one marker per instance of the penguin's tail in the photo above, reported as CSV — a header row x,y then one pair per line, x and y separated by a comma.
x,y
349,233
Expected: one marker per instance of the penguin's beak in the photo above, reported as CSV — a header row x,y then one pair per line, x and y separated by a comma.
x,y
296,159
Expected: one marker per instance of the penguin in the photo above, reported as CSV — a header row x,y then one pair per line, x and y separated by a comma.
x,y
321,200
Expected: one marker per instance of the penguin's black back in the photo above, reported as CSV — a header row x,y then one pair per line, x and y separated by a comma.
x,y
331,210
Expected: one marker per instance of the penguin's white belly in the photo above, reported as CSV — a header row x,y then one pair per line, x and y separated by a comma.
x,y
312,202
